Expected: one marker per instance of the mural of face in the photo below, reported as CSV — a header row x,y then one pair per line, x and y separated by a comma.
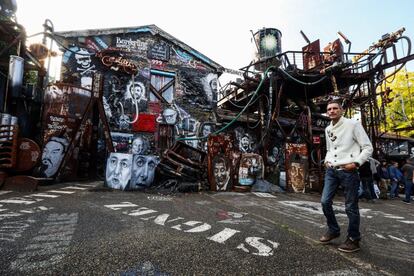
x,y
123,122
143,170
170,116
139,146
134,90
210,87
118,170
245,144
273,156
221,173
52,155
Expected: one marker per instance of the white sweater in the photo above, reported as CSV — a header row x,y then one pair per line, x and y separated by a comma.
x,y
347,142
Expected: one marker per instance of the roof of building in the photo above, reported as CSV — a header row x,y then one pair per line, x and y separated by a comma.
x,y
153,29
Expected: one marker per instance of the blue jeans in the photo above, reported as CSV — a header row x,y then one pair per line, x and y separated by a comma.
x,y
394,189
408,189
349,180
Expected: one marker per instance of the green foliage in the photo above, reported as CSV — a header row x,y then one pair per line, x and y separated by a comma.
x,y
399,107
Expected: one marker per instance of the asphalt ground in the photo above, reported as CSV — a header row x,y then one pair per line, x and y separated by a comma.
x,y
86,229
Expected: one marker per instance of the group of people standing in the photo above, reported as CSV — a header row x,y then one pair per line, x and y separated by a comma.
x,y
389,176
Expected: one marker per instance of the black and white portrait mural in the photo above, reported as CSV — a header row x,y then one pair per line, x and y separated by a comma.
x,y
140,145
245,140
118,170
210,87
143,171
273,155
169,116
221,172
205,130
124,98
52,156
200,88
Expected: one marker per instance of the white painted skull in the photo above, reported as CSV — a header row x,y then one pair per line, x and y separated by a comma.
x,y
83,58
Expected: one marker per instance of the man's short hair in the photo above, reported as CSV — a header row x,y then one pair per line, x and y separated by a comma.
x,y
338,102
220,160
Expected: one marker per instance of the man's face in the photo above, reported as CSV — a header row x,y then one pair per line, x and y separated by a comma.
x,y
275,151
170,116
213,85
118,170
334,111
138,146
245,142
123,121
221,175
144,170
135,90
52,157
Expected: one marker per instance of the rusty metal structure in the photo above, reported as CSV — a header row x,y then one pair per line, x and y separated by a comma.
x,y
285,93
142,93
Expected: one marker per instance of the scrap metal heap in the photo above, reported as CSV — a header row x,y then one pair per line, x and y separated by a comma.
x,y
286,93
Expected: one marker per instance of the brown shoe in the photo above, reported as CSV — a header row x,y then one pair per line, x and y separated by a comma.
x,y
349,246
328,237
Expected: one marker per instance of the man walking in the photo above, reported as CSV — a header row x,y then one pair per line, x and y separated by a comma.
x,y
348,147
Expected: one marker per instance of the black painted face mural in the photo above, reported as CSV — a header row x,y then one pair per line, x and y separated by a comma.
x,y
140,145
143,171
118,170
245,140
221,170
52,156
201,89
170,116
205,130
124,97
210,87
273,156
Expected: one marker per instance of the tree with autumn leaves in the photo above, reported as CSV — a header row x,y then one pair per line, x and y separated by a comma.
x,y
397,100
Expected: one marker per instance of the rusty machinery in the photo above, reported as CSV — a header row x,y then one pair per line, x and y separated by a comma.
x,y
298,87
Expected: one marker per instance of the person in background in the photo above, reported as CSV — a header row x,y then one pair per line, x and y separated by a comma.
x,y
384,177
367,181
408,170
395,177
348,146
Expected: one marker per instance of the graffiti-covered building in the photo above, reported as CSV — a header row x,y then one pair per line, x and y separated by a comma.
x,y
155,89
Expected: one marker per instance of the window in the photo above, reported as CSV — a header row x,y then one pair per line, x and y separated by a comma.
x,y
162,86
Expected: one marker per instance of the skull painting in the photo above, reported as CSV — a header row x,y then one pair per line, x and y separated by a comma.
x,y
83,59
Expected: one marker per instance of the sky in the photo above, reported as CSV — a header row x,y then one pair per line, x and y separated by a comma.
x,y
220,29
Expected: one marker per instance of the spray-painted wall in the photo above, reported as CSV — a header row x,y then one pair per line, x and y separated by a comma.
x,y
155,89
